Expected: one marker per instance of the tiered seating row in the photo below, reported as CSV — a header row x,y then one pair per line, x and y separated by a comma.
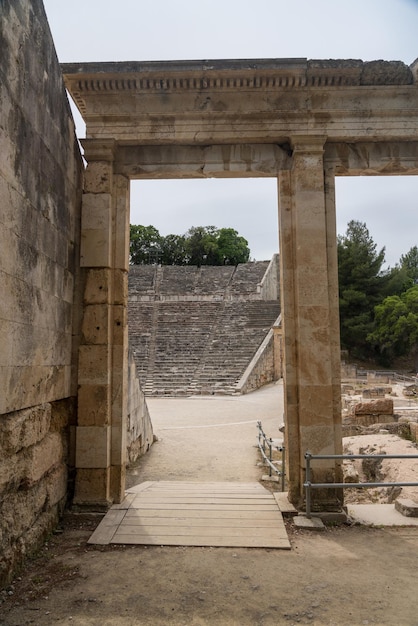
x,y
197,347
170,280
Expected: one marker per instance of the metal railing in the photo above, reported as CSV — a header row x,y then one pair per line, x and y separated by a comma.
x,y
312,457
264,443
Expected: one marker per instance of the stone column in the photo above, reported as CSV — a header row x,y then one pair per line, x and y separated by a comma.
x,y
102,366
309,296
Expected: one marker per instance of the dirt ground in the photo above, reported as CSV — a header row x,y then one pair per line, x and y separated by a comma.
x,y
349,575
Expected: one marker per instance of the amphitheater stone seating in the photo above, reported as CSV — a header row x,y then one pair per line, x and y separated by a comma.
x,y
195,330
142,280
247,277
180,280
214,280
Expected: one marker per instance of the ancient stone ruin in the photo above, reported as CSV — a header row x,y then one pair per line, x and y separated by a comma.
x,y
64,228
380,417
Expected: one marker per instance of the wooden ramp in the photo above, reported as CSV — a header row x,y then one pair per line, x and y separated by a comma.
x,y
195,514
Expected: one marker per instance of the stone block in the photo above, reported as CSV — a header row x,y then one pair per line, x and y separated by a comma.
x,y
369,420
97,286
120,286
117,483
95,248
93,405
96,212
407,507
12,472
95,325
63,413
56,485
98,177
304,523
93,447
92,487
119,446
20,509
93,365
22,429
44,456
413,427
120,325
12,301
375,407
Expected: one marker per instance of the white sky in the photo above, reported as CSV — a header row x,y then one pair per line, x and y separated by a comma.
x,y
144,30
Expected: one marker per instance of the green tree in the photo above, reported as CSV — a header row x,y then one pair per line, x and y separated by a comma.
x,y
398,281
404,275
201,246
361,285
173,250
145,245
232,248
396,327
409,262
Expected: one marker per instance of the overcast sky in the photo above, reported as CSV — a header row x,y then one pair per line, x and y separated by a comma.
x,y
143,30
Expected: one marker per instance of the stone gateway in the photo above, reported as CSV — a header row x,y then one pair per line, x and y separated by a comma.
x,y
303,122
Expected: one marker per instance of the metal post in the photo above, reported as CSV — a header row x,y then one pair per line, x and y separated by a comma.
x,y
283,471
308,483
270,454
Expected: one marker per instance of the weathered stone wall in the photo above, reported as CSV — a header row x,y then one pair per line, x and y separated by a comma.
x,y
270,285
140,433
40,192
261,370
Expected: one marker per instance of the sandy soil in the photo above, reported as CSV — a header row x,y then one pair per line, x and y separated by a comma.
x,y
348,575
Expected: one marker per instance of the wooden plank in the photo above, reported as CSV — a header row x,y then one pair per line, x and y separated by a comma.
x,y
204,507
200,487
141,487
205,531
143,501
283,503
107,528
130,497
257,516
177,493
195,514
176,522
219,542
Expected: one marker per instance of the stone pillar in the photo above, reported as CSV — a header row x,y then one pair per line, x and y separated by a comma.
x,y
278,351
103,362
309,296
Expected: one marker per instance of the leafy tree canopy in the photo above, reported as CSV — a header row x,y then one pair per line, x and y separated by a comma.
x,y
396,326
200,245
404,275
409,263
145,245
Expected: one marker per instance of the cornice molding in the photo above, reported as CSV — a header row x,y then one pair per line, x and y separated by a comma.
x,y
89,79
